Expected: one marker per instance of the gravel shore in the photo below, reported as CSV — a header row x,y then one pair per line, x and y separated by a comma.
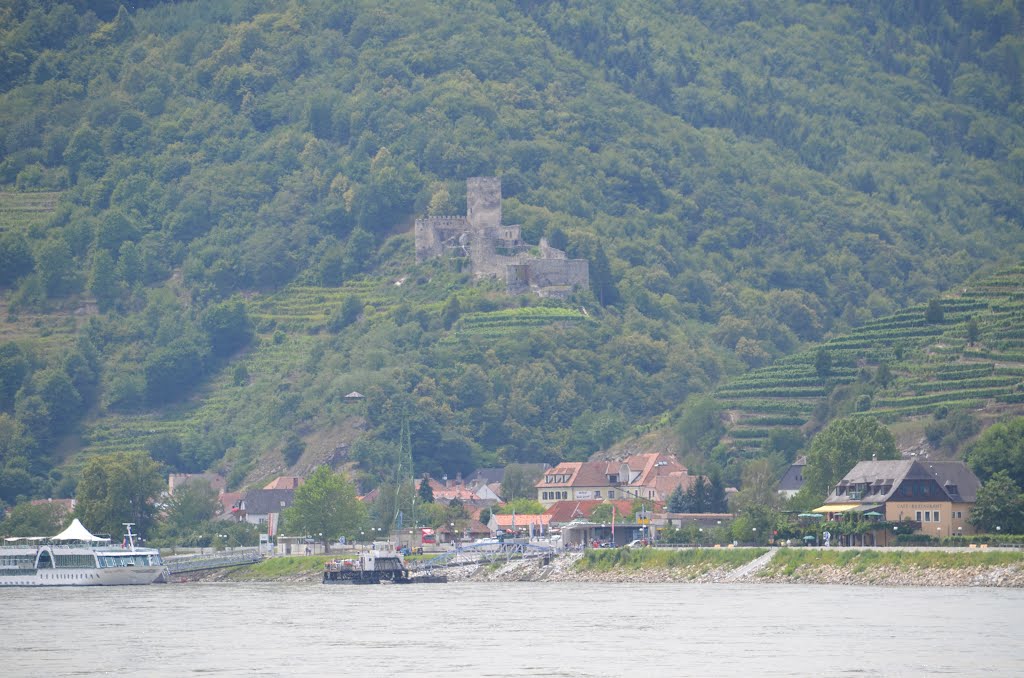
x,y
562,569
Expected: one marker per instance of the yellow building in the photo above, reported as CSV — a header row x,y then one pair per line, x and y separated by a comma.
x,y
936,495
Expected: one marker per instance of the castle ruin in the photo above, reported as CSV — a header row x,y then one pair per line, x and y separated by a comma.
x,y
497,250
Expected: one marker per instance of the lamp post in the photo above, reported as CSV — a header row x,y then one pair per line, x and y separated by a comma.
x,y
960,535
700,536
754,529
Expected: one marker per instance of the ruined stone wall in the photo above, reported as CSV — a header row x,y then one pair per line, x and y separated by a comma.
x,y
497,250
433,232
483,202
558,273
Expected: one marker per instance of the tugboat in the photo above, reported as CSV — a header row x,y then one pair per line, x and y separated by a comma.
x,y
379,564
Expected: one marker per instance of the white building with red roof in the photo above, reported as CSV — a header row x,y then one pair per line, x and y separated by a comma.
x,y
650,477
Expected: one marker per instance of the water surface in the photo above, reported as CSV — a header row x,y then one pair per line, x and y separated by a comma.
x,y
511,629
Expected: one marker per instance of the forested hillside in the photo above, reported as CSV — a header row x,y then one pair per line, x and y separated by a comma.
x,y
205,224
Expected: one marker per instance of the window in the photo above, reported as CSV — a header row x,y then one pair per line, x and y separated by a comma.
x,y
935,515
611,494
597,494
918,516
544,495
958,514
927,516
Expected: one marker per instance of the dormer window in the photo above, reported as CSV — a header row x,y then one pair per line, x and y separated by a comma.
x,y
613,478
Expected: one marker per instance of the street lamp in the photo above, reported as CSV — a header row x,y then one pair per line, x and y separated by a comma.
x,y
700,536
755,534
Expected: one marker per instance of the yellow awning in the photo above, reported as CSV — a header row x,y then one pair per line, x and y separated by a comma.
x,y
835,508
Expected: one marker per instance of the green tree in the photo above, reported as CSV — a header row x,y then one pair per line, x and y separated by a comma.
x,y
119,488
347,313
192,503
326,504
426,492
823,363
1000,448
972,331
229,327
56,267
999,504
840,445
451,311
518,482
677,501
717,499
14,367
15,257
759,485
934,314
39,520
700,426
697,496
521,506
293,448
172,370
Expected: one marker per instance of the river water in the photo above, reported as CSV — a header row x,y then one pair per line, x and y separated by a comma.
x,y
511,629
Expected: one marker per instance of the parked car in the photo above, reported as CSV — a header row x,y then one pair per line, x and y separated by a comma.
x,y
636,543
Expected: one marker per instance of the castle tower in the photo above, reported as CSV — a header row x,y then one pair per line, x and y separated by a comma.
x,y
483,203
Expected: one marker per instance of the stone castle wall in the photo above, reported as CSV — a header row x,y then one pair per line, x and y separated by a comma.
x,y
496,249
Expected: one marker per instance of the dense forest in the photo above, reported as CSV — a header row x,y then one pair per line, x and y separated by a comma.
x,y
205,234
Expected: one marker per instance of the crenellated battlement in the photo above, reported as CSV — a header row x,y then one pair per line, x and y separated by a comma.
x,y
496,249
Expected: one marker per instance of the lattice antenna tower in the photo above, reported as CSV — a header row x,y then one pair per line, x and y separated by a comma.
x,y
405,482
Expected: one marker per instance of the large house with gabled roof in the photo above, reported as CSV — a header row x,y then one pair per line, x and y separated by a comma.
x,y
938,495
650,477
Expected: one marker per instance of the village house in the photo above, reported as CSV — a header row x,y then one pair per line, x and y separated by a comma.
x,y
793,479
523,524
651,477
264,507
937,496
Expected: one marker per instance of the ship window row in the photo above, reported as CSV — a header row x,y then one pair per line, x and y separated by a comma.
x,y
79,560
123,561
16,561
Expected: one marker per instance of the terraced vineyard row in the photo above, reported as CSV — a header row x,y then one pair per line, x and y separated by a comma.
x,y
932,364
500,323
20,210
130,432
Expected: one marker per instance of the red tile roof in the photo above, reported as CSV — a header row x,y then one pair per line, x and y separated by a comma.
x,y
522,520
568,510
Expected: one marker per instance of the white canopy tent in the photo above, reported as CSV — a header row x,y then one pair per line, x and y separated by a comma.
x,y
77,532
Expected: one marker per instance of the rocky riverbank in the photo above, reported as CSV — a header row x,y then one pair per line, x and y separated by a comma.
x,y
895,569
564,568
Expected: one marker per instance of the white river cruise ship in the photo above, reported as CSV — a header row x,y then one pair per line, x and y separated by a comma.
x,y
76,557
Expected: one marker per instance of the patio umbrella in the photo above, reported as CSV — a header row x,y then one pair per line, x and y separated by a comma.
x,y
810,537
873,513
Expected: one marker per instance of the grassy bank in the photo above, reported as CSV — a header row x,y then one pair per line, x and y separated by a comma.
x,y
694,560
284,568
787,562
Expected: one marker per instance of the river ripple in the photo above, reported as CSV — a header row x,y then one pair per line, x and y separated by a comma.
x,y
511,629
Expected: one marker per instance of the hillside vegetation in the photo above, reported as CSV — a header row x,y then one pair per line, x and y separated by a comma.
x,y
206,209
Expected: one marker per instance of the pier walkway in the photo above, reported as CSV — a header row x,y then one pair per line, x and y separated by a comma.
x,y
212,561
